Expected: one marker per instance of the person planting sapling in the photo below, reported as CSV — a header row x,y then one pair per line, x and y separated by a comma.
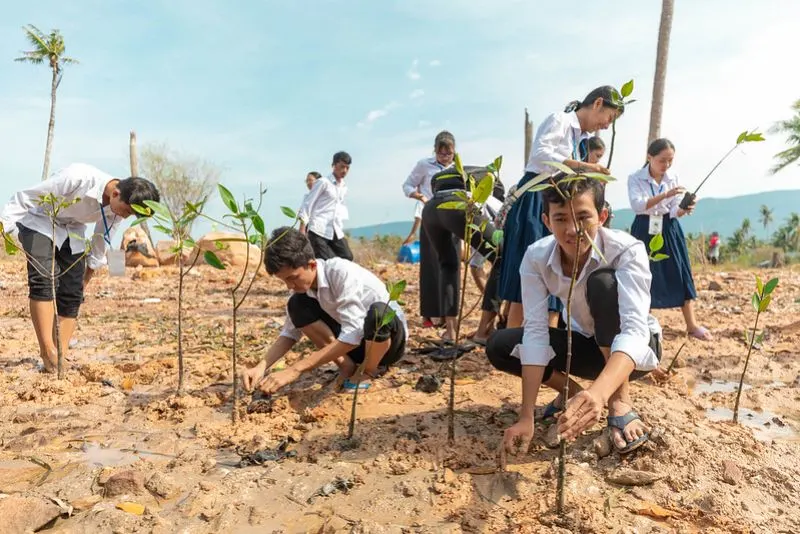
x,y
339,306
614,336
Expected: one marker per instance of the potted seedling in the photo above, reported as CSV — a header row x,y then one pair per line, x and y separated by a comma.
x,y
760,301
744,137
178,227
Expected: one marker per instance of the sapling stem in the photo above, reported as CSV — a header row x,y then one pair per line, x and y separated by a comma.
x,y
451,405
744,371
351,430
675,359
56,325
613,138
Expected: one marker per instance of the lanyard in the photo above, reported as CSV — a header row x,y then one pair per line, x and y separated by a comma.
x,y
575,155
106,237
660,188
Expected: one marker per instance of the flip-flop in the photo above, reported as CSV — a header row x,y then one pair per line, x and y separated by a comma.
x,y
351,386
702,333
449,351
548,412
620,422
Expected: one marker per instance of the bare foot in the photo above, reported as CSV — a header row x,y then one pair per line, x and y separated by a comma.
x,y
633,431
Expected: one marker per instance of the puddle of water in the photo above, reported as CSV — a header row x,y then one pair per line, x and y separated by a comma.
x,y
94,454
718,386
766,426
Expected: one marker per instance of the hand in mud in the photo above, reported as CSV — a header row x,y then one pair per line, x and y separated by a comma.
x,y
251,377
520,433
582,411
277,380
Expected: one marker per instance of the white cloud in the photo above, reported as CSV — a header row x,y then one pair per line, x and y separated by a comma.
x,y
416,93
413,72
435,63
423,124
376,114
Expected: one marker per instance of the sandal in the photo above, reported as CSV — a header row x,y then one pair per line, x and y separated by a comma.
x,y
702,333
351,386
548,411
620,422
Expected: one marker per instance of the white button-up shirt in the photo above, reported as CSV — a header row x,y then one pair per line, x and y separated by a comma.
x,y
642,187
323,210
80,182
541,275
345,291
420,178
557,139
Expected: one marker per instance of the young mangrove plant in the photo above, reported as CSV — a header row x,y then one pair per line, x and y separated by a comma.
x,y
760,301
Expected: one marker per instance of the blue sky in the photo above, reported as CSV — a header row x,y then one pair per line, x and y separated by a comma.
x,y
269,90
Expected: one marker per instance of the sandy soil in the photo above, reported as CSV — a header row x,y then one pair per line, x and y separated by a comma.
x,y
93,440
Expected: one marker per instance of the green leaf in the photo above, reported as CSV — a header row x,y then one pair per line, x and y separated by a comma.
x,y
741,138
656,242
474,227
484,189
258,224
220,245
227,199
497,163
10,246
189,243
452,205
754,137
599,252
213,260
450,175
627,89
759,285
756,301
461,194
253,239
497,237
599,176
762,307
560,166
141,210
540,187
163,229
289,212
397,290
458,165
770,287
388,317
138,221
159,209
760,337
659,257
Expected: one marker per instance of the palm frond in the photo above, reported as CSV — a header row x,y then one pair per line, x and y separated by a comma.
x,y
68,61
36,38
785,158
31,57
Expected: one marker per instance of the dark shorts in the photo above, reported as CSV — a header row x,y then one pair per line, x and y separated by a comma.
x,y
304,310
68,270
326,249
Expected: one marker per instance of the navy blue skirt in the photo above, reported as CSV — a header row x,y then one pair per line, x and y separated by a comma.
x,y
523,227
672,283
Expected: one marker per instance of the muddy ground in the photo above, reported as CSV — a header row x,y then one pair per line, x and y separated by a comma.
x,y
112,449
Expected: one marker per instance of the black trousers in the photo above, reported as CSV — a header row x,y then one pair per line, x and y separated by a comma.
x,y
587,359
69,283
441,225
326,249
429,276
303,310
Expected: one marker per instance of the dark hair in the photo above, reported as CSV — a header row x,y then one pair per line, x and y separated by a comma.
x,y
573,189
595,143
444,138
315,174
657,147
607,206
288,248
343,157
136,190
611,99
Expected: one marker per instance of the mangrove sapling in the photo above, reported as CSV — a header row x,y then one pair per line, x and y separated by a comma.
x,y
246,220
624,92
760,300
178,227
479,192
387,316
744,137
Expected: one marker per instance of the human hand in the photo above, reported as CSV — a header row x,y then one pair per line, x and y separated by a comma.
x,y
520,433
582,411
596,167
276,381
251,377
675,191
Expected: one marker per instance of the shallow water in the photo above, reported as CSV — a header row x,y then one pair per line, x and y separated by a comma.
x,y
766,426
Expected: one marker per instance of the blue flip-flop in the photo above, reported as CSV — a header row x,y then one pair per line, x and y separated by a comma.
x,y
620,422
549,411
351,386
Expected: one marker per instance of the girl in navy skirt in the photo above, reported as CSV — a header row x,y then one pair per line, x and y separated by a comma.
x,y
559,138
655,197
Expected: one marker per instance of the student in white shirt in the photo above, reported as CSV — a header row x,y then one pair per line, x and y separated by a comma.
x,y
311,179
655,197
323,212
418,187
559,138
614,336
339,306
98,199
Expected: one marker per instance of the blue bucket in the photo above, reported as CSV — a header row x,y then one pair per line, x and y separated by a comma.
x,y
409,253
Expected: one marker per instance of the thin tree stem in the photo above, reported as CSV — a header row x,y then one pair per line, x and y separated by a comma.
x,y
613,138
235,409
56,325
451,407
181,274
744,371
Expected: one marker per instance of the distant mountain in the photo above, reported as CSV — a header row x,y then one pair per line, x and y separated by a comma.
x,y
723,215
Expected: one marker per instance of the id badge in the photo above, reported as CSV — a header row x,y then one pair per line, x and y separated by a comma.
x,y
656,224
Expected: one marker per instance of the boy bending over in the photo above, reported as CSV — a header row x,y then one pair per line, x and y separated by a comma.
x,y
338,305
614,336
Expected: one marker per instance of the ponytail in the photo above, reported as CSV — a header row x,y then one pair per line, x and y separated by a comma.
x,y
575,105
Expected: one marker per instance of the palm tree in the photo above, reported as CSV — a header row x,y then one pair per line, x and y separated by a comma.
x,y
791,128
766,216
48,48
660,77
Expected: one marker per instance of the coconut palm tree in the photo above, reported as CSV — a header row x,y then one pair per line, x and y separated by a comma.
x,y
765,216
660,77
47,48
791,128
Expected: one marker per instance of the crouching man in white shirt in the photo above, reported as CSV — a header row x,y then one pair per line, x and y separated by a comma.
x,y
614,336
93,198
339,306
